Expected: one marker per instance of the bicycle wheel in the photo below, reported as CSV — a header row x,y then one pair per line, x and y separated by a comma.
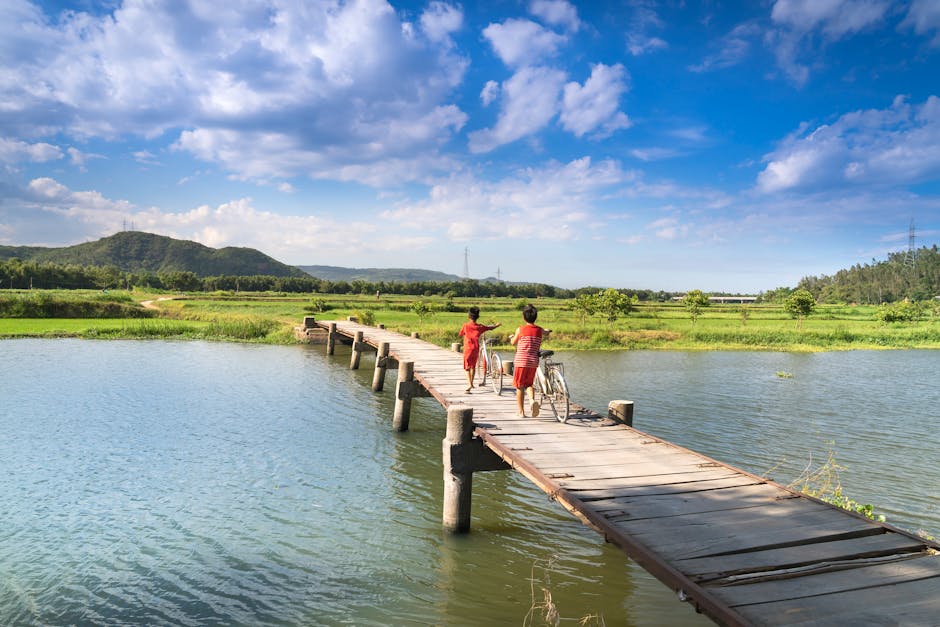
x,y
496,373
558,398
482,370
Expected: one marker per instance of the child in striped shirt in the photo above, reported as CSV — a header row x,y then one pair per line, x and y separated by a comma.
x,y
527,339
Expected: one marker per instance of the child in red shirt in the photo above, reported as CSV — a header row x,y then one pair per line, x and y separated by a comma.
x,y
527,339
471,332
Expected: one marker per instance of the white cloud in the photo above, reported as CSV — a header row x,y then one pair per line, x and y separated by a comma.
x,y
335,71
924,16
640,41
799,21
668,228
289,238
489,93
594,107
440,20
552,202
890,147
13,151
556,13
733,48
529,99
834,18
520,42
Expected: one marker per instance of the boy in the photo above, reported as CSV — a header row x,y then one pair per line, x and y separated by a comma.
x,y
527,339
471,332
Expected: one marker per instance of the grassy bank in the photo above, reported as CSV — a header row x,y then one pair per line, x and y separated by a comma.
x,y
270,317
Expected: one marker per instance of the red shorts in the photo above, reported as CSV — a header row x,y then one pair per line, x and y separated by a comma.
x,y
523,377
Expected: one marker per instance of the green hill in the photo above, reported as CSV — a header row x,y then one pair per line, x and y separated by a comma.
x,y
134,251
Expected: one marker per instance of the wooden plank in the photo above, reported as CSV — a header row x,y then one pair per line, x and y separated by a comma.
x,y
705,569
819,585
643,506
909,603
713,485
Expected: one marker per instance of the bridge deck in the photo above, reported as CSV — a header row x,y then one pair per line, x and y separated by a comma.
x,y
742,549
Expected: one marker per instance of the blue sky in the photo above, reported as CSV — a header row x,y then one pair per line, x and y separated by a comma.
x,y
722,146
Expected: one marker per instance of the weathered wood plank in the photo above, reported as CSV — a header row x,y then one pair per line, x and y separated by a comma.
x,y
705,569
819,585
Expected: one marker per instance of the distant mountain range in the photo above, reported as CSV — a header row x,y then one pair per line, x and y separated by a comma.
x,y
375,275
134,251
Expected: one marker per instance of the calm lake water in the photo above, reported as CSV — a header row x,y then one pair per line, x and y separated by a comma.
x,y
190,483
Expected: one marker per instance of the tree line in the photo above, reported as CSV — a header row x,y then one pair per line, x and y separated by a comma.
x,y
19,274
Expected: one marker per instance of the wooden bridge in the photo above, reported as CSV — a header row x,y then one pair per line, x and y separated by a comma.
x,y
741,548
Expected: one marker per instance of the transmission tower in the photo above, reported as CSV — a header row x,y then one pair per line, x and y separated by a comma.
x,y
466,262
911,247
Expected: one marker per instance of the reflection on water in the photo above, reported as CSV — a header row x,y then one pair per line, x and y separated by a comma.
x,y
194,483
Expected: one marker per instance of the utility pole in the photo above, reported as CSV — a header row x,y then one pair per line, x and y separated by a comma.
x,y
466,262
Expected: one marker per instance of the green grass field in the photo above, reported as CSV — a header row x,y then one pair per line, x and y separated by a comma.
x,y
271,317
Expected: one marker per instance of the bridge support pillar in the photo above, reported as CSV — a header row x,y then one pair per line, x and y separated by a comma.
x,y
357,348
403,395
621,411
381,364
331,339
458,474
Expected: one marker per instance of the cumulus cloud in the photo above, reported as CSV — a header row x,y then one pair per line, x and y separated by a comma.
x,y
489,93
559,13
563,196
289,238
440,20
520,42
14,151
311,74
896,146
594,106
529,99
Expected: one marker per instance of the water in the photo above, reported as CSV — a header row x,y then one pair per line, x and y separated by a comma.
x,y
190,483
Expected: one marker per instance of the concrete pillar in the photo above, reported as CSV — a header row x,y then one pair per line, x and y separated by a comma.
x,y
331,339
415,335
356,351
404,390
458,473
381,364
455,346
621,411
309,322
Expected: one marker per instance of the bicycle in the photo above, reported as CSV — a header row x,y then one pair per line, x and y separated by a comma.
x,y
490,365
550,383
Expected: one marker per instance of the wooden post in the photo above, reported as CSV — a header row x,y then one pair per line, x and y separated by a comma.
x,y
356,351
381,363
381,326
309,322
455,346
415,335
331,339
458,473
403,394
621,411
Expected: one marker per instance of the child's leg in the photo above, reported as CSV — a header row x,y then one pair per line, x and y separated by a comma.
x,y
469,372
520,401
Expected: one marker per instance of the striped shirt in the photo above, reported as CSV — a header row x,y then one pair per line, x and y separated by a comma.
x,y
527,346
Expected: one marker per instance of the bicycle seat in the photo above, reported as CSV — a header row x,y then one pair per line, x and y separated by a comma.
x,y
544,353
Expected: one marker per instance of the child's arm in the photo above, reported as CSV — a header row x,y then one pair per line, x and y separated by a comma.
x,y
515,336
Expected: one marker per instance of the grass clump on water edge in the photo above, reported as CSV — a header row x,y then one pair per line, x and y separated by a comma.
x,y
545,610
249,330
824,484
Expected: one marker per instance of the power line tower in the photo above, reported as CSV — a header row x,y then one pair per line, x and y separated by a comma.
x,y
466,262
911,257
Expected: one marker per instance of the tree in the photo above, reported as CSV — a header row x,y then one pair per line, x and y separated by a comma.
x,y
584,305
799,305
694,301
611,303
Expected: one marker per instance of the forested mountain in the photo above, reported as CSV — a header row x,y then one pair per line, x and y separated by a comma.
x,y
895,279
134,251
376,275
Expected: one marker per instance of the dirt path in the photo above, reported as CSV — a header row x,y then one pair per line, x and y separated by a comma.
x,y
150,304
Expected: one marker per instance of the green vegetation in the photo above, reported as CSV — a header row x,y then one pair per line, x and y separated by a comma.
x,y
271,316
901,276
824,484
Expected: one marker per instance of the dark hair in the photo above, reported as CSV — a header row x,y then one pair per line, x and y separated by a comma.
x,y
474,313
529,314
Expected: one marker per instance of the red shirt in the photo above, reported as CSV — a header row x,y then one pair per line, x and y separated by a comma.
x,y
527,346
